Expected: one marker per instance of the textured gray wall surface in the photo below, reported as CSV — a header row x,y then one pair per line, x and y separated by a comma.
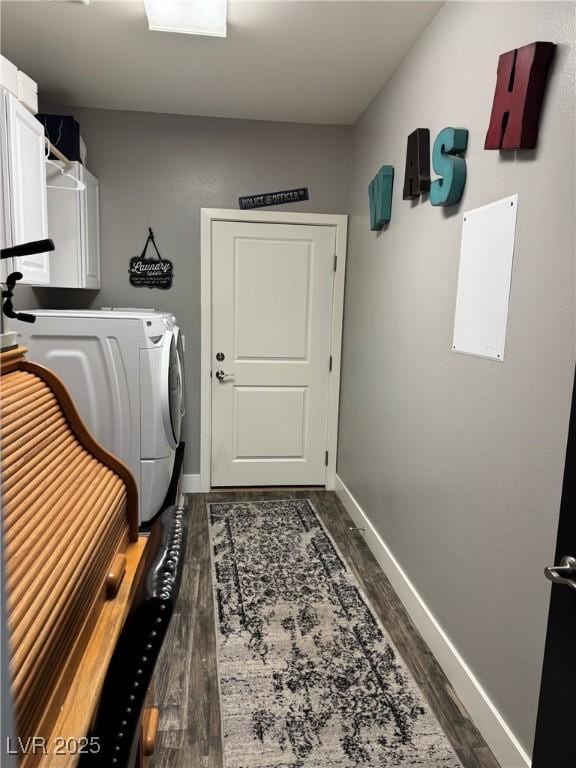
x,y
458,460
158,171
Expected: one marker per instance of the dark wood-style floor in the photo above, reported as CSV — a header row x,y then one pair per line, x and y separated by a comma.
x,y
186,679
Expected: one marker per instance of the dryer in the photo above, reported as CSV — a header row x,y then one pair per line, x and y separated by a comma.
x,y
125,371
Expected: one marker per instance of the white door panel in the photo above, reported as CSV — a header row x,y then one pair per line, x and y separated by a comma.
x,y
64,227
27,188
272,299
74,225
271,319
270,422
6,266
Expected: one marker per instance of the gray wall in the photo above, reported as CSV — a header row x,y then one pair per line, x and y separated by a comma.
x,y
457,460
159,170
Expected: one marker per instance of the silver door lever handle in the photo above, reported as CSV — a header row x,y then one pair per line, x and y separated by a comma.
x,y
221,376
565,573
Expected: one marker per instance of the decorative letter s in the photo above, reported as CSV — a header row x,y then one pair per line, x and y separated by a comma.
x,y
448,163
380,196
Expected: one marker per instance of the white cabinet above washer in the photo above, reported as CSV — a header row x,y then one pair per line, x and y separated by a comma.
x,y
74,225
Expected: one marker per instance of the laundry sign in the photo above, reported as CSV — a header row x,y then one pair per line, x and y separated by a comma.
x,y
154,272
274,198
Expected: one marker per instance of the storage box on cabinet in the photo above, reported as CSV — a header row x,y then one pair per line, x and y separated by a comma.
x,y
74,225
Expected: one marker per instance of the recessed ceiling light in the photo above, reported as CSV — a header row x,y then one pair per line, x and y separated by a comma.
x,y
191,17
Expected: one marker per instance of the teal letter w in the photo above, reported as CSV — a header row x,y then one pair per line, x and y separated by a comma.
x,y
380,195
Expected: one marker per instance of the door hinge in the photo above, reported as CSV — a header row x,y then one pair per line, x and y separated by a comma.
x,y
335,261
326,459
330,364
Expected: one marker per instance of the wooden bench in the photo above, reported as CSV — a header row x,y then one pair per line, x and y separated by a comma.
x,y
75,564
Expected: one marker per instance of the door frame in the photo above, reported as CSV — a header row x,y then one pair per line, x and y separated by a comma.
x,y
207,217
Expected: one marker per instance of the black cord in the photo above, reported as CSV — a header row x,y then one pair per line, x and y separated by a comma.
x,y
150,239
7,294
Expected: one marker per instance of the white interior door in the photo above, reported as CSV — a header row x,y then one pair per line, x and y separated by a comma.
x,y
272,296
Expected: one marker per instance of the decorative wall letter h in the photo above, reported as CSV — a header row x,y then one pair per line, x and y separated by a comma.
x,y
380,195
520,86
417,175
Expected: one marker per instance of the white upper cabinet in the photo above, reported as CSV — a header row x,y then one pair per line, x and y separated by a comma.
x,y
31,209
74,225
24,188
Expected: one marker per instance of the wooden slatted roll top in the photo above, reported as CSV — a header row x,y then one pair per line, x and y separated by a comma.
x,y
69,509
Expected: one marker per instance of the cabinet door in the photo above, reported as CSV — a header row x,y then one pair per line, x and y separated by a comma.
x,y
6,265
91,231
27,182
65,227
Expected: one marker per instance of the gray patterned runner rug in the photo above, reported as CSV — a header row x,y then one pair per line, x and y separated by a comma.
x,y
308,676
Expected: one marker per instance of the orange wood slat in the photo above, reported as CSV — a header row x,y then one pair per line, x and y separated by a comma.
x,y
44,422
22,393
32,628
15,380
18,418
24,468
48,430
86,439
28,452
57,493
46,475
33,682
29,658
11,406
28,593
20,426
21,380
46,521
32,696
12,360
83,691
57,487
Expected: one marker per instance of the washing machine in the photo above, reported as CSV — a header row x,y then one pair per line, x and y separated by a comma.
x,y
125,371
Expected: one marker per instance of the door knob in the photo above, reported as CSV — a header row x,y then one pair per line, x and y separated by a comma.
x,y
221,376
565,573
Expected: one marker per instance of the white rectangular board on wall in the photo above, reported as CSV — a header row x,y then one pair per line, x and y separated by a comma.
x,y
484,278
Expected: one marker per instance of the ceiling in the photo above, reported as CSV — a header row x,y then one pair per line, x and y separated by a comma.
x,y
292,60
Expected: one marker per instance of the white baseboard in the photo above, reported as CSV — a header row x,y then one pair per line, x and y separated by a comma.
x,y
190,483
505,746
